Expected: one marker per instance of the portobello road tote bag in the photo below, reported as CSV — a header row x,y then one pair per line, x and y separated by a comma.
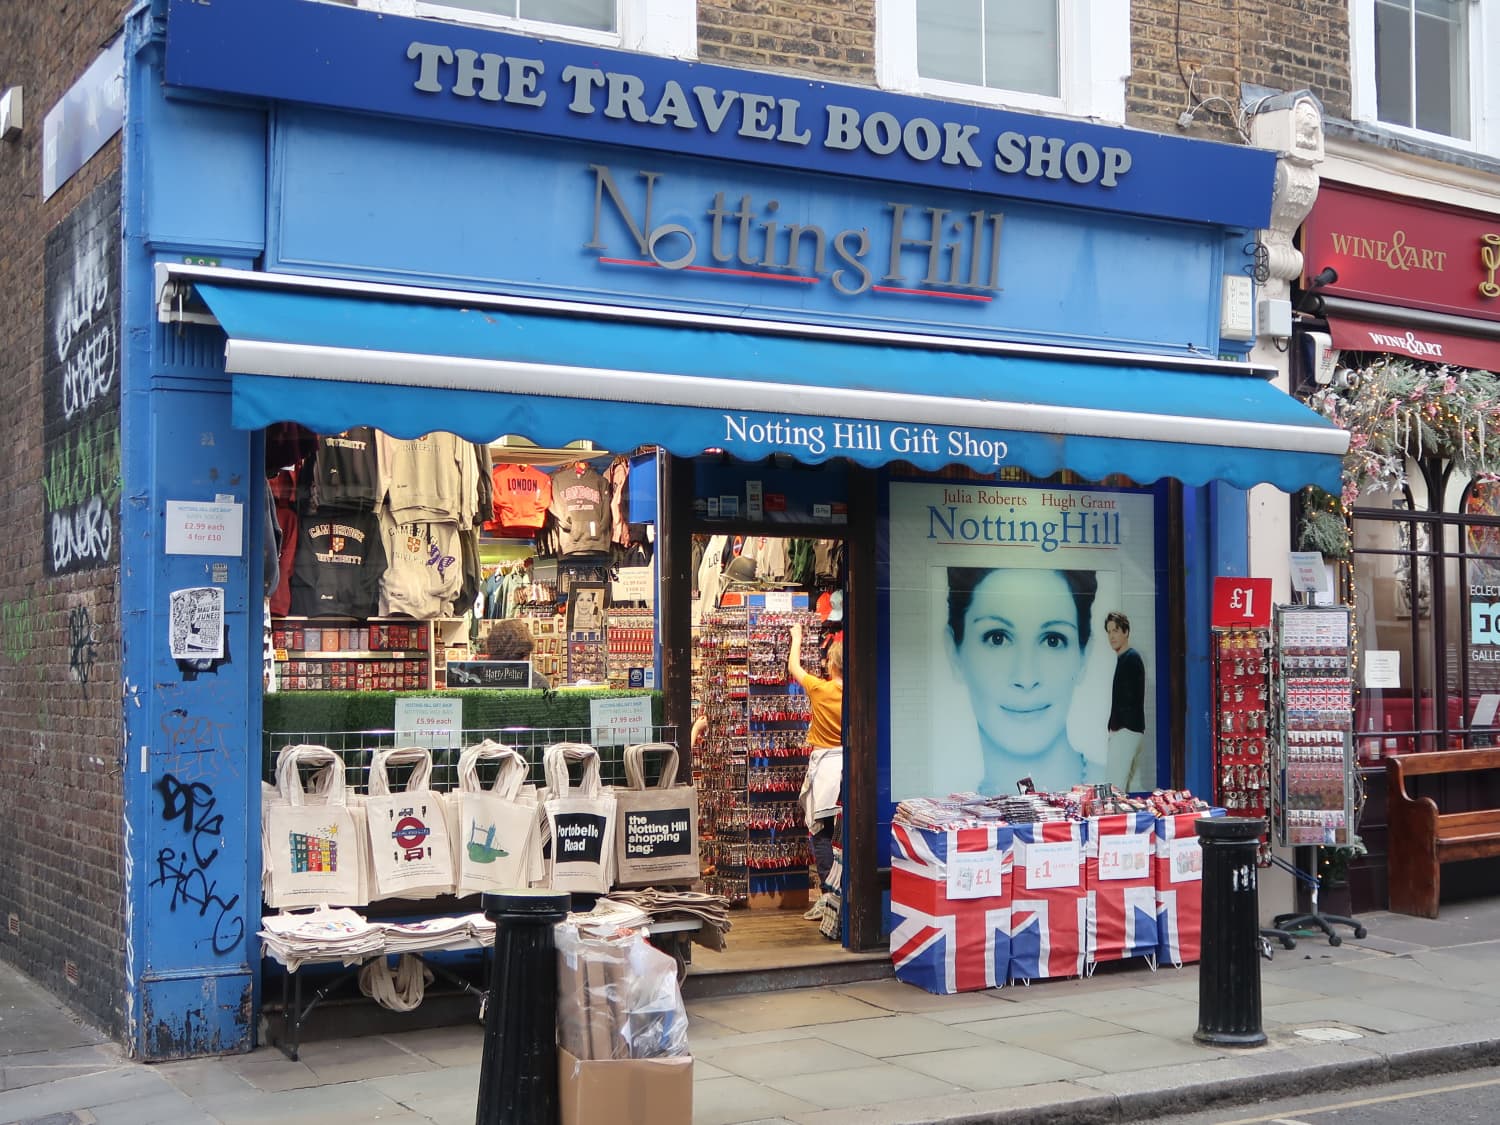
x,y
309,842
493,831
656,830
410,855
580,821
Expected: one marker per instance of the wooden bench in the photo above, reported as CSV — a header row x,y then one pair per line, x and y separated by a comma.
x,y
1422,838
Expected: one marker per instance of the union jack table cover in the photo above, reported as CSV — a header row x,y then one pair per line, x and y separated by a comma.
x,y
1121,887
947,944
1179,888
1049,909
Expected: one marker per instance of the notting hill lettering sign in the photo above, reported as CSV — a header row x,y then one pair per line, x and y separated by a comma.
x,y
926,251
336,55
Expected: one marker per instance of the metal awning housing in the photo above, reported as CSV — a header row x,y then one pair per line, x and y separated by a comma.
x,y
332,354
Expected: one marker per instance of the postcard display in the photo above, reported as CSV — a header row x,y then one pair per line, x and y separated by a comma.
x,y
1244,749
1313,798
750,764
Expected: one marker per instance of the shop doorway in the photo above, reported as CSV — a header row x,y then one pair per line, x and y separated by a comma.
x,y
756,735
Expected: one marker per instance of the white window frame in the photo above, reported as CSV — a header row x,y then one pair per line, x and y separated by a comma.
x,y
1484,87
657,27
1093,70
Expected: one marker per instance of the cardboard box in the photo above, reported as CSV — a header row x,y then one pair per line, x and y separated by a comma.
x,y
624,1091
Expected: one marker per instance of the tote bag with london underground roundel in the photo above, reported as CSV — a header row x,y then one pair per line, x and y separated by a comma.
x,y
580,822
308,840
410,855
493,831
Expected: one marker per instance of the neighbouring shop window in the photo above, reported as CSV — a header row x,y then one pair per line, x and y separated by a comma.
x,y
1026,54
666,27
1414,67
1023,637
1421,565
1427,604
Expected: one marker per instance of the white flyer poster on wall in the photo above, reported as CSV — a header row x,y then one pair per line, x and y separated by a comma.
x,y
1023,638
197,629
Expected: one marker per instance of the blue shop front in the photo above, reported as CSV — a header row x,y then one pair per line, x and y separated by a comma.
x,y
973,354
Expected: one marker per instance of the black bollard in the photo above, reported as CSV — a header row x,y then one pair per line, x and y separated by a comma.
x,y
1229,966
518,1074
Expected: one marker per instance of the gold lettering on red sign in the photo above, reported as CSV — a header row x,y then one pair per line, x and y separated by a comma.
x,y
1394,253
1489,254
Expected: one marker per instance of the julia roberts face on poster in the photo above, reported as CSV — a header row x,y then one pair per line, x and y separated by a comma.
x,y
1017,642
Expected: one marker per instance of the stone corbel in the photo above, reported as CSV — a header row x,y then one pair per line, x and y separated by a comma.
x,y
1292,126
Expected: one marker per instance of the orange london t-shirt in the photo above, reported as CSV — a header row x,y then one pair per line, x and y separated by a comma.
x,y
523,493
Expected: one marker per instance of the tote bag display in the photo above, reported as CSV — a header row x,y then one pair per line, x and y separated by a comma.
x,y
410,856
309,843
493,831
580,822
656,830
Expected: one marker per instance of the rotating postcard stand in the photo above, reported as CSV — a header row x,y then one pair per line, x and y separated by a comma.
x,y
1312,795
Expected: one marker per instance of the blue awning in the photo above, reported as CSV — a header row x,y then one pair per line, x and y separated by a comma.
x,y
411,362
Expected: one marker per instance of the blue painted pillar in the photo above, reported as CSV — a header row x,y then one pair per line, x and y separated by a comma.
x,y
1215,534
193,778
192,729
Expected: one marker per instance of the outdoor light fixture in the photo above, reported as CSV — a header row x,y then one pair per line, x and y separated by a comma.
x,y
1311,301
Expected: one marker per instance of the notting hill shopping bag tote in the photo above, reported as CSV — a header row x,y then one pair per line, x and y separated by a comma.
x,y
410,856
493,831
579,821
309,840
656,830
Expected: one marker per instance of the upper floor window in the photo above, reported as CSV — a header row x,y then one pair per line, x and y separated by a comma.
x,y
1056,56
1416,66
663,27
1422,65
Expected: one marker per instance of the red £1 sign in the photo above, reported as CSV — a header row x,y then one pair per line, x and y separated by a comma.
x,y
1243,602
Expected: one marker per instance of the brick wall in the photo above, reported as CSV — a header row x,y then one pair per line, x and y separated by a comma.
x,y
833,37
1283,44
60,712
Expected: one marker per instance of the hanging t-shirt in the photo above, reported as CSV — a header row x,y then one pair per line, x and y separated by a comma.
x,y
346,471
339,562
580,501
618,477
423,478
424,568
522,495
283,486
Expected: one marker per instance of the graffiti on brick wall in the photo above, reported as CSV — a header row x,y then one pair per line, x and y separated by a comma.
x,y
82,646
18,629
81,386
183,868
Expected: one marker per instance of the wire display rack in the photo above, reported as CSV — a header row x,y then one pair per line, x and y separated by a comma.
x,y
357,747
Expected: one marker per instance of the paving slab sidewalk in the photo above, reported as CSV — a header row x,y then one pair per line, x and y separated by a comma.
x,y
1416,996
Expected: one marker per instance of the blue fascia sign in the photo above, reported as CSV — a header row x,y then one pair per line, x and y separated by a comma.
x,y
338,56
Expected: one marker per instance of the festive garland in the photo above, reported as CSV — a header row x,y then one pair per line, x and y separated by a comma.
x,y
1397,409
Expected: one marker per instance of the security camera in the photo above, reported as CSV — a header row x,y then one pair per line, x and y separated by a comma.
x,y
1345,379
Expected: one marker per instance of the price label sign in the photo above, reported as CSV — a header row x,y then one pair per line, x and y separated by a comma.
x,y
1052,865
1241,603
974,874
1125,857
1186,856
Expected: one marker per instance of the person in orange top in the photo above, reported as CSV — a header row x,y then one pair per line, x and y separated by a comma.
x,y
819,797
